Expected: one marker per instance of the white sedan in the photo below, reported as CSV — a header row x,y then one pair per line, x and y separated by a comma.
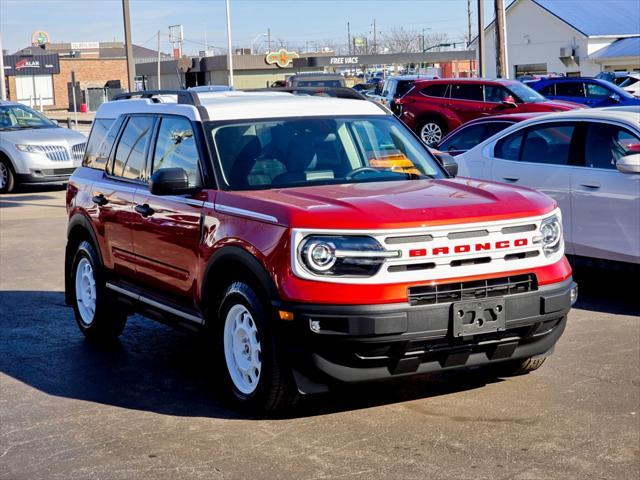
x,y
588,161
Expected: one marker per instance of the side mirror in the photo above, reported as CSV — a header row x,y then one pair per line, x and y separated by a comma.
x,y
614,97
509,101
447,161
629,163
170,181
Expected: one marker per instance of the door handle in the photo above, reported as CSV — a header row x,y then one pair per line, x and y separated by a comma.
x,y
100,200
145,210
594,185
511,179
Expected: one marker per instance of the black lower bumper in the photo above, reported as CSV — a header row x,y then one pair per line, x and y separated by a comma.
x,y
46,176
373,342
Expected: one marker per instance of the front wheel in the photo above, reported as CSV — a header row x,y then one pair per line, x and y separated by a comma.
x,y
255,373
431,132
7,177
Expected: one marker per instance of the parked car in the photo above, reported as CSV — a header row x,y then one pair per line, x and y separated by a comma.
x,y
588,161
631,84
467,136
592,92
34,149
396,87
432,108
613,77
314,240
315,79
210,88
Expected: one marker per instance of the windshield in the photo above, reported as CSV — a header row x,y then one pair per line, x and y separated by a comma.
x,y
16,117
319,151
524,93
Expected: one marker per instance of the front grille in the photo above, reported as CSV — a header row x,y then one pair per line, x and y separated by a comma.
x,y
455,292
50,172
77,151
56,153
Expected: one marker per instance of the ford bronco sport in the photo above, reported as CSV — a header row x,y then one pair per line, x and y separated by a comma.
x,y
313,239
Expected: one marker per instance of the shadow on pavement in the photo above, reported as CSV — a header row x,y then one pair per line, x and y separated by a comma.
x,y
607,291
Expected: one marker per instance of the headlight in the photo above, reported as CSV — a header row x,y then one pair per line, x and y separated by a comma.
x,y
551,235
343,255
29,148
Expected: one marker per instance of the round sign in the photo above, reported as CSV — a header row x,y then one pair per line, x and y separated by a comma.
x,y
39,37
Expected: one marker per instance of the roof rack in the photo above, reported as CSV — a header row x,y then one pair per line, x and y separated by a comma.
x,y
337,92
185,97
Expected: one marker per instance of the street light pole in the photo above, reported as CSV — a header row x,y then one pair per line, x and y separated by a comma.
x,y
229,52
127,44
3,87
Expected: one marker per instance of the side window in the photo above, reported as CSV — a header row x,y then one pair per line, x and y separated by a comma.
x,y
465,139
97,136
548,144
570,89
437,90
494,93
605,144
597,91
549,90
176,148
402,87
131,150
509,147
467,91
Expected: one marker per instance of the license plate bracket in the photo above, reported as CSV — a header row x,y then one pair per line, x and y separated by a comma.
x,y
473,317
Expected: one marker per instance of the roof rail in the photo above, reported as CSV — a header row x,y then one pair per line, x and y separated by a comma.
x,y
338,92
185,97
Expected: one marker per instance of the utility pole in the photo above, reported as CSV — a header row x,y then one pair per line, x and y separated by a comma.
x,y
468,23
131,68
349,37
159,81
269,40
500,40
3,87
481,71
375,44
229,52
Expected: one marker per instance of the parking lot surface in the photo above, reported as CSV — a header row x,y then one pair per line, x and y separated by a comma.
x,y
146,408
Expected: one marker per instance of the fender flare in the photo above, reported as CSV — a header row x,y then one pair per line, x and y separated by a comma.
x,y
78,220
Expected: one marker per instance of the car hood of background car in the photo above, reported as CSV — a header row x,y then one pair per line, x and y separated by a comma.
x,y
43,136
563,104
403,204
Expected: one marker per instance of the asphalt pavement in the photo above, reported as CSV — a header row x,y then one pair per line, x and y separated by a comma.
x,y
145,407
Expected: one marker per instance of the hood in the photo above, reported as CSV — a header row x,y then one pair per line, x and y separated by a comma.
x,y
563,104
43,136
403,204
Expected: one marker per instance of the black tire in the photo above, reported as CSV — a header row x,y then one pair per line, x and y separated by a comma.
x,y
275,389
437,131
518,367
8,183
108,320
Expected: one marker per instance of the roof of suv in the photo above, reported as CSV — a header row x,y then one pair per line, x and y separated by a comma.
x,y
241,105
499,81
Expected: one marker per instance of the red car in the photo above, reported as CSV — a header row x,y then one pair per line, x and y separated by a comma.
x,y
432,108
311,239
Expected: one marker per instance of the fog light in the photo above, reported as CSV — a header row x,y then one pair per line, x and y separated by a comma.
x,y
574,295
314,325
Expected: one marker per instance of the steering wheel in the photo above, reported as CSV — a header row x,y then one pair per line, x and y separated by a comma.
x,y
358,171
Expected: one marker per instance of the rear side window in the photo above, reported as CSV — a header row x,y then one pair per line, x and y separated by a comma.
x,y
468,91
548,144
132,147
465,139
570,89
509,147
606,144
176,148
549,90
437,90
96,137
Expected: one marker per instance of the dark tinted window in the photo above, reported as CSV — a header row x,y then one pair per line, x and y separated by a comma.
x,y
509,147
467,91
96,137
495,94
570,89
597,91
549,90
464,139
176,148
548,144
403,87
132,147
607,143
437,90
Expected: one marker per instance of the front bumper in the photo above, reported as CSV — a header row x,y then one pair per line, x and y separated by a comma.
x,y
46,175
374,342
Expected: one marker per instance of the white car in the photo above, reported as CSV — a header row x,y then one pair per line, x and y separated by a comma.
x,y
632,84
588,161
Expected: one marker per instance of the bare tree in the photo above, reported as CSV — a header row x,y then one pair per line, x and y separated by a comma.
x,y
398,39
433,41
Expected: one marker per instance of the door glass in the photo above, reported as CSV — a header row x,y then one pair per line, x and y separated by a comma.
x,y
494,93
509,147
549,144
597,91
176,148
464,139
570,89
96,137
607,143
548,90
402,87
467,91
130,153
437,90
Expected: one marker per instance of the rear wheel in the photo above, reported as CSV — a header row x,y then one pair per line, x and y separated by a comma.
x,y
7,177
431,131
254,371
97,318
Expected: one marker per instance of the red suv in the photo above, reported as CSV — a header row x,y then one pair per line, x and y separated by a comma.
x,y
432,108
311,239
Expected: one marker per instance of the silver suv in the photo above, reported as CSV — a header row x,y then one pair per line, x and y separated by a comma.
x,y
34,149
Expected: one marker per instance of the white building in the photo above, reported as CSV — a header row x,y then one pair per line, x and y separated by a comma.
x,y
571,37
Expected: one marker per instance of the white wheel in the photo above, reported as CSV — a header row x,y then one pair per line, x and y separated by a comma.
x,y
86,291
431,133
242,349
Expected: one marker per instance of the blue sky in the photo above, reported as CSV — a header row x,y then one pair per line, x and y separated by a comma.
x,y
295,21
